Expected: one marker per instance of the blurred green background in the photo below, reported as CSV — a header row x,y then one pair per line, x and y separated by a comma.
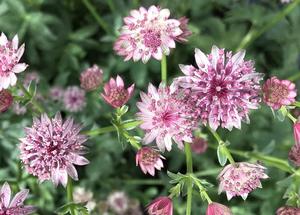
x,y
63,38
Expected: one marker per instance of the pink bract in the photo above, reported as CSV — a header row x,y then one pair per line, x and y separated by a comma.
x,y
161,206
226,87
149,159
52,147
10,55
6,100
217,209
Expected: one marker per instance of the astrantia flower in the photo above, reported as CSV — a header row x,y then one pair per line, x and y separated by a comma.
x,y
56,93
149,160
91,78
161,206
166,116
14,206
74,99
199,145
6,100
278,93
286,210
149,33
217,209
10,56
52,147
285,1
226,87
240,179
118,202
31,76
184,28
294,154
115,93
19,109
81,195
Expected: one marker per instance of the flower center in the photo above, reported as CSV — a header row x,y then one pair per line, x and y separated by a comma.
x,y
277,93
149,157
152,39
118,95
218,88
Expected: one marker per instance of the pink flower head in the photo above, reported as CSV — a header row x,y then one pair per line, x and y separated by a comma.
x,y
10,56
115,93
6,100
184,28
149,33
56,93
149,160
240,179
217,209
294,154
287,210
161,206
74,99
52,147
278,93
226,87
166,116
91,78
15,205
19,109
199,145
31,76
118,202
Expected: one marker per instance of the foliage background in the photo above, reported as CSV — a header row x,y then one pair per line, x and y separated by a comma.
x,y
62,38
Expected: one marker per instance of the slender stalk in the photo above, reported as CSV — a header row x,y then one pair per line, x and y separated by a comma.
x,y
70,195
164,69
294,77
254,33
189,170
96,15
291,117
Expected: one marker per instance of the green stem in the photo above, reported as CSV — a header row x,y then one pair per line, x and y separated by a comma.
x,y
294,77
189,170
70,195
291,117
37,106
254,33
164,69
97,17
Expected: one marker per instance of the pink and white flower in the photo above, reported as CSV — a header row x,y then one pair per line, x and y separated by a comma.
x,y
91,78
10,55
118,202
56,93
199,145
217,209
14,206
239,179
278,93
226,87
149,159
74,99
149,33
166,115
161,206
115,93
52,147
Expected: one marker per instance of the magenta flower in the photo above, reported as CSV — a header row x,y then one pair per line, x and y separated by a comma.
x,y
10,56
226,87
240,179
161,206
15,205
56,93
217,209
91,78
6,100
287,210
149,33
149,160
74,99
115,93
278,93
166,115
199,145
52,147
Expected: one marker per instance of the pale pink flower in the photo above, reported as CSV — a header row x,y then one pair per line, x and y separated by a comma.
x,y
6,100
18,108
285,1
31,76
278,93
161,206
184,28
226,87
91,78
115,93
148,33
74,99
287,210
149,159
118,202
56,93
239,179
217,209
10,55
81,195
52,147
14,206
166,116
199,145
